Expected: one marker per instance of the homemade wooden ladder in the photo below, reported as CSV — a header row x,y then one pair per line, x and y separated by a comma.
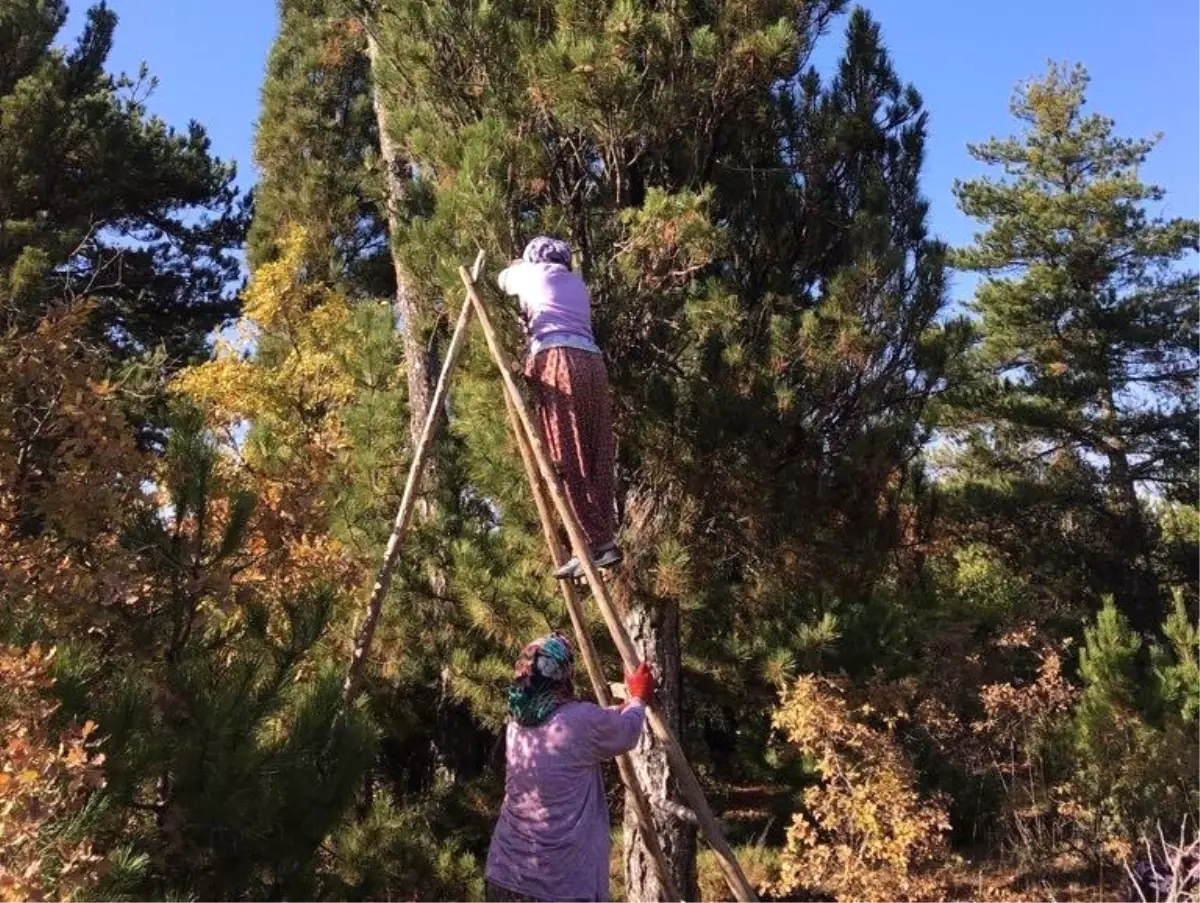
x,y
548,497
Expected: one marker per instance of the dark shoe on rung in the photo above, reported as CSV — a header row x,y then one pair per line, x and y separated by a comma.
x,y
571,570
607,556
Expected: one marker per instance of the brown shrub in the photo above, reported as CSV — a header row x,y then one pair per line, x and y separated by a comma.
x,y
43,782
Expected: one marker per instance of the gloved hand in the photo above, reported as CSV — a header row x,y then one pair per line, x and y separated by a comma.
x,y
640,684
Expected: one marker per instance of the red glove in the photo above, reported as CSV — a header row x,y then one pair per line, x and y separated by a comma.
x,y
640,684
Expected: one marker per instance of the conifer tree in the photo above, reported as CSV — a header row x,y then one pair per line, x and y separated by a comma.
x,y
190,616
1088,321
762,284
322,383
314,147
98,198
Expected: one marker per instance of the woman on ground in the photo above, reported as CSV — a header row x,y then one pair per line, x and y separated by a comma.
x,y
551,841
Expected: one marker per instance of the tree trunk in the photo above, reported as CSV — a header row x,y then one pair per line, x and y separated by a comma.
x,y
1140,602
396,175
654,629
419,355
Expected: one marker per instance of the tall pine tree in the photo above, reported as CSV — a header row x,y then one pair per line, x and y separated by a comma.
x,y
100,199
322,380
764,290
314,147
1088,323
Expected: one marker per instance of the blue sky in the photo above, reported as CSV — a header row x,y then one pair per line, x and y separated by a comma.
x,y
964,56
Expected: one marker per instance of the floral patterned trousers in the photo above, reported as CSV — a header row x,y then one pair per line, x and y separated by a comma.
x,y
570,389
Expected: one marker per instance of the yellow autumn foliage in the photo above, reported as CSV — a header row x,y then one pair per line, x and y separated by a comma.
x,y
867,832
306,325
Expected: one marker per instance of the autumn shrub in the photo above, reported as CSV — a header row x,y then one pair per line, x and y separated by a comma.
x,y
46,780
1094,768
1016,742
69,467
866,830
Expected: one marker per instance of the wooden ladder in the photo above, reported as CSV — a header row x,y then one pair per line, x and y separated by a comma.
x,y
549,499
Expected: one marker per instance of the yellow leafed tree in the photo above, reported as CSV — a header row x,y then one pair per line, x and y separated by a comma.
x,y
867,833
283,369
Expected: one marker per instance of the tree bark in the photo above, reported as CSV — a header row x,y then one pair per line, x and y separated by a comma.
x,y
654,629
396,175
1141,603
420,360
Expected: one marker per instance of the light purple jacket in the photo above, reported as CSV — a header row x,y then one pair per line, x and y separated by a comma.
x,y
555,301
552,839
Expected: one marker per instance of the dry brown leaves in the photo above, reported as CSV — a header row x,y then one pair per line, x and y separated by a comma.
x,y
43,781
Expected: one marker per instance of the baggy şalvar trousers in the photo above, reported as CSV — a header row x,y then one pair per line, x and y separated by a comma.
x,y
570,390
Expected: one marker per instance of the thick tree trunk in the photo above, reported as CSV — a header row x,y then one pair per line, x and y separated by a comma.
x,y
654,630
417,359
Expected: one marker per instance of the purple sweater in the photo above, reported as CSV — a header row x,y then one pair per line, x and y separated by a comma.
x,y
555,301
552,839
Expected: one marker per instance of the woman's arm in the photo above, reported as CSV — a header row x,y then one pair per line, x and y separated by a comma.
x,y
511,281
615,731
509,278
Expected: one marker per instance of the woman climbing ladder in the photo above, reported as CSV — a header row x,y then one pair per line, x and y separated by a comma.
x,y
570,390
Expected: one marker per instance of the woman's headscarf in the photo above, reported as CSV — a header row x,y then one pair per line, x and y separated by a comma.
x,y
541,680
545,249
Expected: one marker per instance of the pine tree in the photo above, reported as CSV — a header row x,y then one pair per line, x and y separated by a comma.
x,y
314,146
1087,320
416,313
319,373
768,311
100,199
191,617
838,349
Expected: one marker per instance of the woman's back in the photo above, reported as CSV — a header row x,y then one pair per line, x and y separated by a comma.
x,y
554,298
552,839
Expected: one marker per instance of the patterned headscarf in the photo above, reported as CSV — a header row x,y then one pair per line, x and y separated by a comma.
x,y
541,680
545,249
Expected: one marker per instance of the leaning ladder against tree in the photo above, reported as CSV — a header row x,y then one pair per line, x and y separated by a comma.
x,y
547,494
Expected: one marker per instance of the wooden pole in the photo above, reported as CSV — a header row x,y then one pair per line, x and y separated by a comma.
x,y
383,577
683,771
590,659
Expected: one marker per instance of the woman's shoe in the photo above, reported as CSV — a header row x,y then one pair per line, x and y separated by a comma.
x,y
607,556
571,570
604,557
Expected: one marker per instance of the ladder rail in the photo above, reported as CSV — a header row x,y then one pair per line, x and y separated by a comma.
x,y
590,658
383,576
688,782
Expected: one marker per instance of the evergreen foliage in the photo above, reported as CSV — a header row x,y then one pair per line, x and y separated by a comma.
x,y
930,579
100,199
1087,361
